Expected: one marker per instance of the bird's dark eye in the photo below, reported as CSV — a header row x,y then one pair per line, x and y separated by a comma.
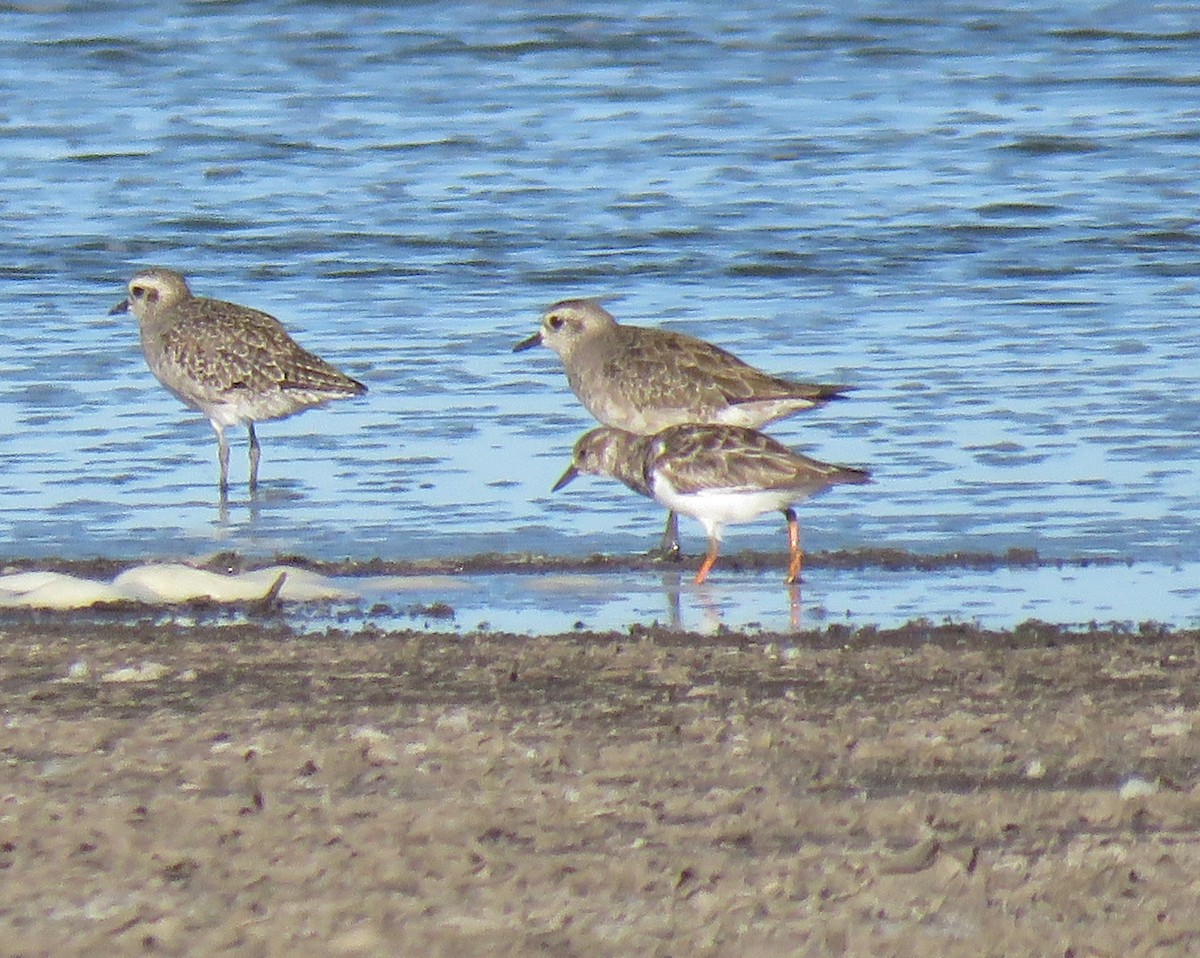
x,y
555,321
137,292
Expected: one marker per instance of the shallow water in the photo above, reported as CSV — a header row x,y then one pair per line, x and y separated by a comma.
x,y
983,217
1076,595
999,599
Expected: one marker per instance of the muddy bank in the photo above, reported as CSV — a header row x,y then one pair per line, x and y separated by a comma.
x,y
505,562
252,789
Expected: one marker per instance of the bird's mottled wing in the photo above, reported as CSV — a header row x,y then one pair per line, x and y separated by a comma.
x,y
226,348
682,370
700,457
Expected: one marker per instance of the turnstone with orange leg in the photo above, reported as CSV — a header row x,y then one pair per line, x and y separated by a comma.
x,y
717,474
642,379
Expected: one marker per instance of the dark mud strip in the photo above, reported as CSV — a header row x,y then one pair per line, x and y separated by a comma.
x,y
751,561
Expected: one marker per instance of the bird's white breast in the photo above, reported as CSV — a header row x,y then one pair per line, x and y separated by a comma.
x,y
716,508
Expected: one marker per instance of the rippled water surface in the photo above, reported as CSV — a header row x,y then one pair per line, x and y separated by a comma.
x,y
985,216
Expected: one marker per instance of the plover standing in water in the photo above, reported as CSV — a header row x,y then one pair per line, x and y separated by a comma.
x,y
717,474
642,379
234,364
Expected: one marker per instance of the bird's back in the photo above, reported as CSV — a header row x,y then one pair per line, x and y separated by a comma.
x,y
643,380
216,354
699,458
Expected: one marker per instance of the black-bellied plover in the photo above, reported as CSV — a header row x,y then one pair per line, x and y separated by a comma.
x,y
717,474
641,379
234,364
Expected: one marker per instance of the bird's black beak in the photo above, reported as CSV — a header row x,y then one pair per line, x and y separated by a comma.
x,y
121,307
524,344
566,477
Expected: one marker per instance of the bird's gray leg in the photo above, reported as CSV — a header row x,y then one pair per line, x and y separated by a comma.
x,y
254,457
670,539
222,459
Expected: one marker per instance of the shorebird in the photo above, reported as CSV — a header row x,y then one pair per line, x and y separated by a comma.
x,y
717,474
642,380
234,364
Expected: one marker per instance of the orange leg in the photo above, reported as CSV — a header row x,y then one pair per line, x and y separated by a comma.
x,y
709,559
794,551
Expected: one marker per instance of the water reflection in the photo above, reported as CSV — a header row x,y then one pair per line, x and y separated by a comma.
x,y
760,602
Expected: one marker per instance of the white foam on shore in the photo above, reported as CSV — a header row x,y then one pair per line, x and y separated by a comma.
x,y
170,583
54,590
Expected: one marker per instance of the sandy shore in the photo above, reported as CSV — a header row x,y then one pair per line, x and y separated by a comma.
x,y
242,789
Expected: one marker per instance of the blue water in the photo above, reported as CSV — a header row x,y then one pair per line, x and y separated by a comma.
x,y
983,215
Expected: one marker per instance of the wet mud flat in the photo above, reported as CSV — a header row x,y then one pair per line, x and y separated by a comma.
x,y
540,563
186,786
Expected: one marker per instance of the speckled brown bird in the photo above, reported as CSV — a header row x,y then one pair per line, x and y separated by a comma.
x,y
234,364
642,379
717,474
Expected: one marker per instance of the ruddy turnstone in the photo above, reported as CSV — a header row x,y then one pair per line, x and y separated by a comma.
x,y
642,379
717,474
